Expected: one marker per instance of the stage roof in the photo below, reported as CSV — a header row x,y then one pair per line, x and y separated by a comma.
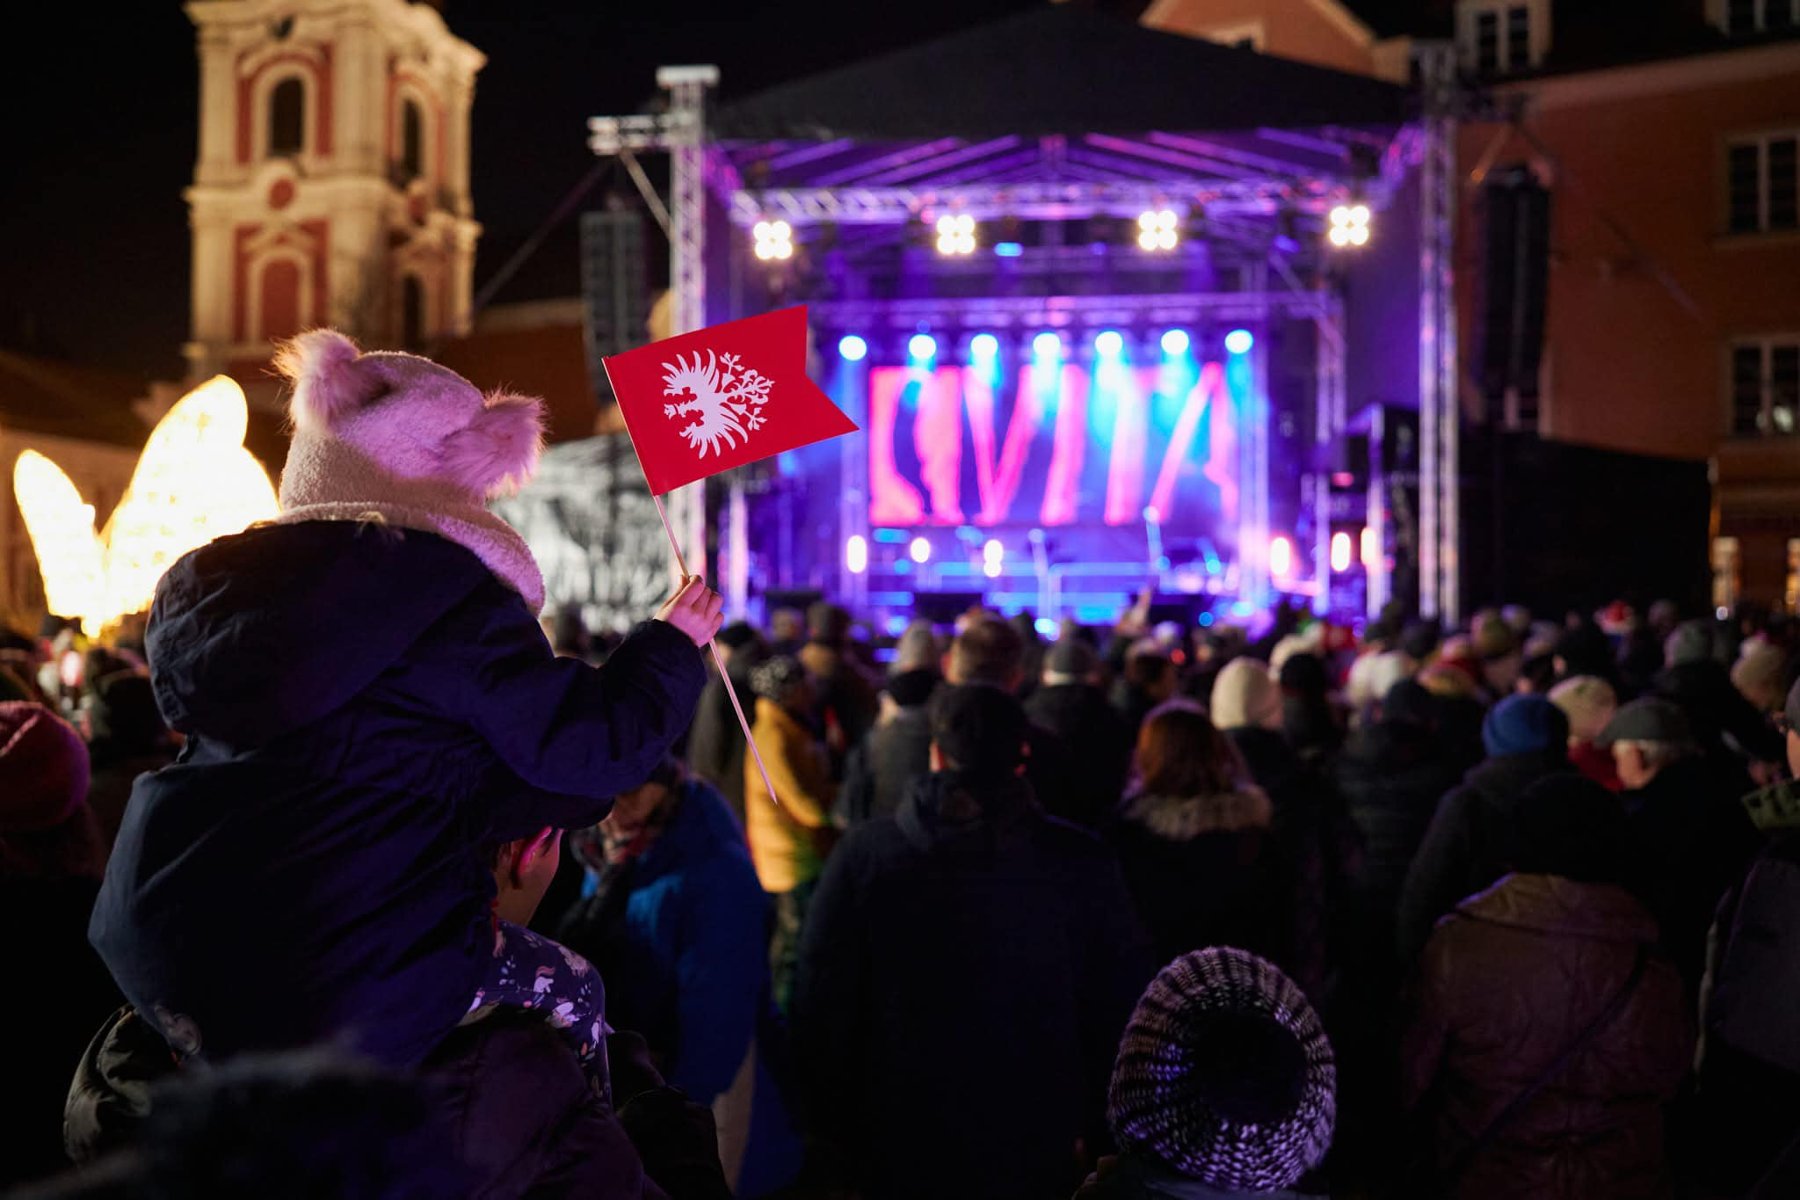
x,y
1059,69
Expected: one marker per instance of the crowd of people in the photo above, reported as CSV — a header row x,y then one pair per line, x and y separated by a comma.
x,y
342,876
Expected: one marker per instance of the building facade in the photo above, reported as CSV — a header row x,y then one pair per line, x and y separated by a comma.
x,y
332,183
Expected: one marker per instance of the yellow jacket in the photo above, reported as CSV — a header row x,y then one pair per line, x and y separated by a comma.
x,y
783,842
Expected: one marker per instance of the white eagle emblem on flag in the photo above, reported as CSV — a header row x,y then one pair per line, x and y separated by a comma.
x,y
725,400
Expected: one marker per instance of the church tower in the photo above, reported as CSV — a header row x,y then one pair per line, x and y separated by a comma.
x,y
332,186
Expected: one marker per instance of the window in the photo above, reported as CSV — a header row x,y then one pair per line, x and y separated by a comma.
x,y
1725,574
1762,182
1765,388
412,140
287,117
1518,37
1746,17
1487,42
412,313
1496,36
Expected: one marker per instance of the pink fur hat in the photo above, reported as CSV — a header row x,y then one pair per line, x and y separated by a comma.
x,y
408,417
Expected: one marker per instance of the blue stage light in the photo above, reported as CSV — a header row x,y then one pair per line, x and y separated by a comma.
x,y
1239,341
852,348
1206,619
1046,345
1175,341
984,345
1008,249
1110,343
922,346
1047,627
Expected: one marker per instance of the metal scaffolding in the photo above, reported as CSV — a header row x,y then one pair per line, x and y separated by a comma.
x,y
1439,413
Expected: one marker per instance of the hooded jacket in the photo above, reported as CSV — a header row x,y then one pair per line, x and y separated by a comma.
x,y
366,709
966,970
1507,984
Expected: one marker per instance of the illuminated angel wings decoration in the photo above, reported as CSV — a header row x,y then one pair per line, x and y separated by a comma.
x,y
194,482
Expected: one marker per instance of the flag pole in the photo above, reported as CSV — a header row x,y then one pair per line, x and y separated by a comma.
x,y
711,643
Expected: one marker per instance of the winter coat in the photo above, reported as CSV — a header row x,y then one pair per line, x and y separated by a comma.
x,y
1392,775
787,839
1690,842
966,971
1134,1177
1717,710
1078,715
880,770
1207,871
1597,763
1469,842
521,1114
716,749
679,939
848,702
366,710
1504,987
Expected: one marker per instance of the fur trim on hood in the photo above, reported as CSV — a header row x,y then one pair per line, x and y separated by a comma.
x,y
1184,818
399,439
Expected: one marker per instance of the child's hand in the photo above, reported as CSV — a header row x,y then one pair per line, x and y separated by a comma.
x,y
696,610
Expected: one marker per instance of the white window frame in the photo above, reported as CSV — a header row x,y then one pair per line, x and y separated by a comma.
x,y
1537,41
1718,13
1766,344
1761,141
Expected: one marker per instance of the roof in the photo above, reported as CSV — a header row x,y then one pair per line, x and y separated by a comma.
x,y
41,395
1059,69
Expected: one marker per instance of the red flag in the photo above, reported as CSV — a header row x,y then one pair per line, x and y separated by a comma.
x,y
720,397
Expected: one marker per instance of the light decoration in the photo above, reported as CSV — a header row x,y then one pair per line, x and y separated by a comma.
x,y
1239,341
1109,343
194,482
1046,345
993,556
1349,226
774,240
922,347
984,346
956,234
919,551
1175,342
1281,557
1156,230
1340,552
856,554
852,348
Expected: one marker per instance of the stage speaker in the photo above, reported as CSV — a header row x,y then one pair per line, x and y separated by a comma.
x,y
942,608
615,293
1514,281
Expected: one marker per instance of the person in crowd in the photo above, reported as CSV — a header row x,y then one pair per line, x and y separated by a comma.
x,y
1469,841
1147,680
675,921
1225,1086
1545,1031
969,937
1373,676
52,852
1690,836
791,832
126,738
1760,675
1307,818
1728,728
716,748
1031,661
368,699
1589,703
1197,843
1070,706
1583,649
988,651
881,767
1749,1063
844,697
1308,717
1460,707
787,632
1497,647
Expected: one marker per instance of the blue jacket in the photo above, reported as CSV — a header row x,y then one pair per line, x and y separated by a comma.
x,y
366,710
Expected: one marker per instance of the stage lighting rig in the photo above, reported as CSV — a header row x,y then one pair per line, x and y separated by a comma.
x,y
774,240
1349,225
956,235
1157,230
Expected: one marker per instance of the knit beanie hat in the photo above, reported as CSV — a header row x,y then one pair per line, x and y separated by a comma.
x,y
1691,642
1245,696
1070,660
1225,1074
918,648
1524,725
1492,637
772,678
1588,701
398,438
1759,668
43,769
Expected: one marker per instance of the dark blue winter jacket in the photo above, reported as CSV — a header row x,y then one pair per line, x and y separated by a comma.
x,y
366,708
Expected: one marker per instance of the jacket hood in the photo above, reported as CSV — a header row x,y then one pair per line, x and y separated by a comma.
x,y
271,629
946,809
1183,818
1562,907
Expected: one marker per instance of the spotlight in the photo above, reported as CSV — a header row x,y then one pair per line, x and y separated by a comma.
x,y
1281,557
774,240
1371,547
984,345
1109,343
956,234
993,556
919,551
1156,230
1239,341
1349,225
852,348
1009,249
1175,341
1340,551
922,346
856,554
1046,345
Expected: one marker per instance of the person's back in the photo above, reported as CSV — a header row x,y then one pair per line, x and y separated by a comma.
x,y
966,971
895,752
1071,708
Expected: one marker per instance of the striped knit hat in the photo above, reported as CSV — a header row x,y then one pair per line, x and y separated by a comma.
x,y
1225,1074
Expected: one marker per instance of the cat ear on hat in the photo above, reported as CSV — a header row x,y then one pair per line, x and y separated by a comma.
x,y
328,381
498,449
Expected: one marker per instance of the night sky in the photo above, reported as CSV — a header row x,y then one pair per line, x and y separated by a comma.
x,y
101,134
